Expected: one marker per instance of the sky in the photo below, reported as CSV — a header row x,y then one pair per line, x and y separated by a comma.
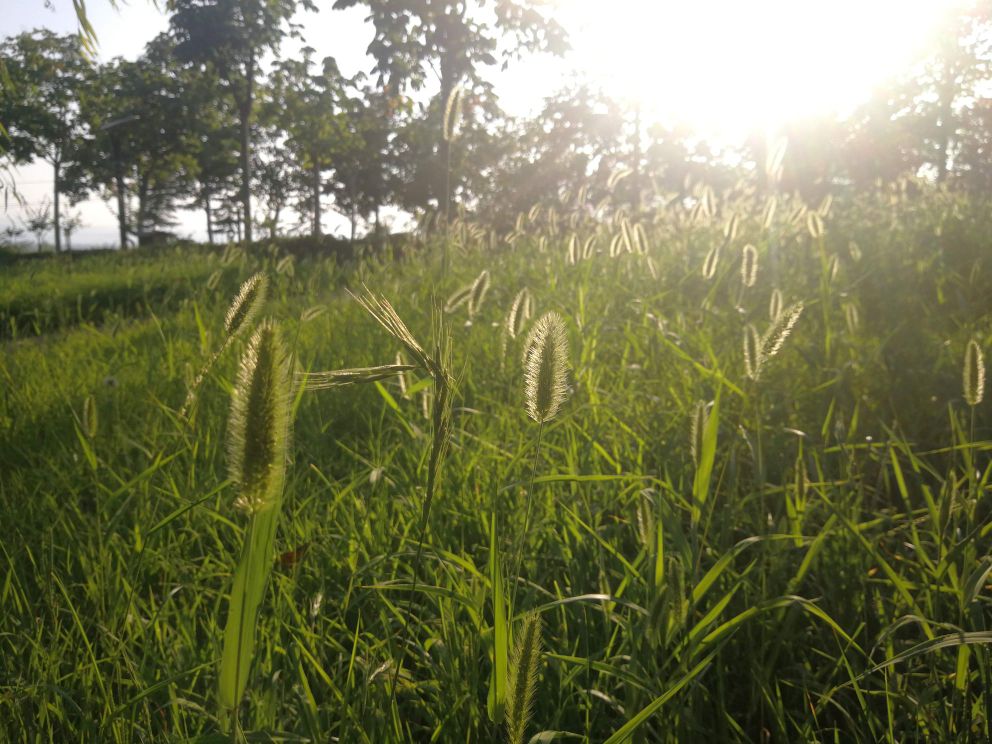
x,y
725,67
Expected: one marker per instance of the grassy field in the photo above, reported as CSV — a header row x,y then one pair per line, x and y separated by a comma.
x,y
809,563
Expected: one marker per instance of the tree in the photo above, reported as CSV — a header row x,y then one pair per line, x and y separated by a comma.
x,y
366,173
277,178
39,106
576,139
229,36
72,222
38,220
310,109
215,129
144,143
413,36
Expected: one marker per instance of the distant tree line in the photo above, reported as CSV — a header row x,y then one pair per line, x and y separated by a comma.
x,y
211,117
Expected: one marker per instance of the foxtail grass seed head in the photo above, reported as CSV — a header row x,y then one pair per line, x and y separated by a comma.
x,y
700,413
286,266
520,312
589,247
522,678
652,269
752,352
426,402
768,216
749,265
641,238
833,266
730,229
974,374
814,224
478,294
545,364
258,432
458,298
572,255
452,114
775,305
852,318
246,305
401,378
616,244
91,421
771,342
824,209
712,259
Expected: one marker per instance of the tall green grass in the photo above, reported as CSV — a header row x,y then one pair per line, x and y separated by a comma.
x,y
811,564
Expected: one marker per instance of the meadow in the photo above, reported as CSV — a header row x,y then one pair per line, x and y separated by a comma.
x,y
760,515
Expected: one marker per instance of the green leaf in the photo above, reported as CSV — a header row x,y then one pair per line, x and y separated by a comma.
x,y
704,473
624,732
496,701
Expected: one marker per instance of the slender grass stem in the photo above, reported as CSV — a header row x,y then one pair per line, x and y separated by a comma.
x,y
518,559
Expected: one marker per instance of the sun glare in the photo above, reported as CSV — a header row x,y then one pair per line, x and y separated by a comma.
x,y
727,67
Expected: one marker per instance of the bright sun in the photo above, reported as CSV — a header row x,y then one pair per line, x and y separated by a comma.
x,y
730,66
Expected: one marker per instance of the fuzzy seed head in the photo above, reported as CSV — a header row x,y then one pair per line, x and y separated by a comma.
x,y
90,417
712,259
775,305
768,215
545,364
478,294
852,318
700,413
752,352
246,305
589,247
974,374
522,678
258,431
452,113
520,312
730,229
401,378
749,265
458,298
772,341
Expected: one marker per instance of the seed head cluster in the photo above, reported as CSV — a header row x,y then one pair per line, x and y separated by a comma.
x,y
974,374
258,432
247,304
545,362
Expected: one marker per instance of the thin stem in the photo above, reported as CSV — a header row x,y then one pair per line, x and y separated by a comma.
x,y
530,505
409,604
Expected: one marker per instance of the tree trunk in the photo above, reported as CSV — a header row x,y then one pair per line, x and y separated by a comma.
x,y
139,221
210,221
276,211
244,110
57,218
946,124
119,183
447,85
316,197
